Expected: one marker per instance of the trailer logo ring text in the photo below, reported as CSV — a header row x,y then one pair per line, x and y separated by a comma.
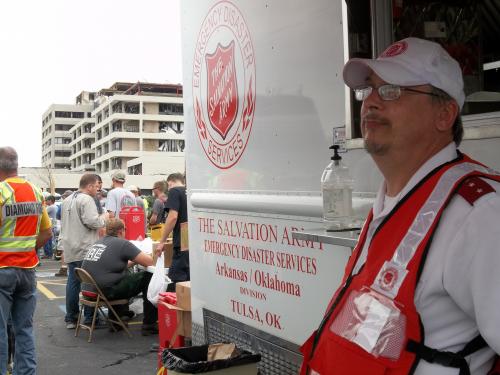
x,y
224,84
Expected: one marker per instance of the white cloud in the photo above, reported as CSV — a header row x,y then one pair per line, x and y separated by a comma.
x,y
52,50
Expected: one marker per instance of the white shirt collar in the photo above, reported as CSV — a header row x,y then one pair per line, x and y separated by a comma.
x,y
447,154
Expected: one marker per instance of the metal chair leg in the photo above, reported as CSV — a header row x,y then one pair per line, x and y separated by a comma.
x,y
118,319
77,330
92,326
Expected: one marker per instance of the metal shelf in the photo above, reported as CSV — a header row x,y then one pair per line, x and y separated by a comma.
x,y
348,239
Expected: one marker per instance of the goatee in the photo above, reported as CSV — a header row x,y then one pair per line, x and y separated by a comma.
x,y
375,148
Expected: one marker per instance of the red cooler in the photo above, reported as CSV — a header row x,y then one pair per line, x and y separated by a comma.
x,y
133,217
167,321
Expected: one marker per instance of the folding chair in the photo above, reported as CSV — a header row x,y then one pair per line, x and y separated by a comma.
x,y
97,300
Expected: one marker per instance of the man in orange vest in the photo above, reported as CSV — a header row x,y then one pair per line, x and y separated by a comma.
x,y
24,227
420,291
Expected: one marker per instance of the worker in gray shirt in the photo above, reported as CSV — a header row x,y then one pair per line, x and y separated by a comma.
x,y
80,224
158,210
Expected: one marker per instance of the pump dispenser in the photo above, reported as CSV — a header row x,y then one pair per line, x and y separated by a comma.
x,y
337,186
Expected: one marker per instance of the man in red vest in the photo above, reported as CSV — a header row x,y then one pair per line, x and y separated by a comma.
x,y
420,291
24,227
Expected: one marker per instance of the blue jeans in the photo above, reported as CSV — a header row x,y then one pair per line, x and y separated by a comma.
x,y
73,294
18,301
48,248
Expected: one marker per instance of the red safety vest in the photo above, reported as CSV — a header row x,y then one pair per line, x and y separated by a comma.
x,y
389,278
21,210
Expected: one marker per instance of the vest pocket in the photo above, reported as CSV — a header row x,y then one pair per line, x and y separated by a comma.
x,y
335,358
373,322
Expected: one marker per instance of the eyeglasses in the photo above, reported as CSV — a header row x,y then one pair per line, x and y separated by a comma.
x,y
386,92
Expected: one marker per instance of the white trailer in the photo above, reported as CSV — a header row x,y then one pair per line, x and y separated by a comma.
x,y
263,90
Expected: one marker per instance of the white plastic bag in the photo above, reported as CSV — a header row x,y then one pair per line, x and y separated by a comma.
x,y
158,283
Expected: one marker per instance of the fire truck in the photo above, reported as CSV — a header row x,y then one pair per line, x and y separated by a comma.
x,y
263,98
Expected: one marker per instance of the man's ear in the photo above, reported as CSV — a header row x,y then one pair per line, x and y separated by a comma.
x,y
447,113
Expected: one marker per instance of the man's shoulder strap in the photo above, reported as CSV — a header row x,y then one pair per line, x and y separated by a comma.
x,y
474,188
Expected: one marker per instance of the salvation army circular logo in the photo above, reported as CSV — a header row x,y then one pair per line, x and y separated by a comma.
x,y
388,278
224,84
395,49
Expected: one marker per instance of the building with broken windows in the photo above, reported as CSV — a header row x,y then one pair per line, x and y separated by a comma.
x,y
57,121
135,127
135,123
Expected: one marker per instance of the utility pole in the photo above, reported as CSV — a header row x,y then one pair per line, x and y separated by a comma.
x,y
52,185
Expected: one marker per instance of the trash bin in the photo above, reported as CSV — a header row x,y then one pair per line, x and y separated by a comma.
x,y
193,360
156,232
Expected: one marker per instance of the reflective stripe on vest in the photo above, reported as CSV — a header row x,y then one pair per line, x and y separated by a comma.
x,y
21,209
403,238
393,273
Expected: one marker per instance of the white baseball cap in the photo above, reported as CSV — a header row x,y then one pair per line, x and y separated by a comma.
x,y
410,62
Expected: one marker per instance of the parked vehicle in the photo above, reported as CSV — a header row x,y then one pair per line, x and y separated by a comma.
x,y
263,91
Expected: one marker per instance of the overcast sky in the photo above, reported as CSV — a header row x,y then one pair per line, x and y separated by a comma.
x,y
52,50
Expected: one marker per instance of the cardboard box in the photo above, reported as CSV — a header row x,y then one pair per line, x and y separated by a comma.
x,y
168,251
185,323
183,292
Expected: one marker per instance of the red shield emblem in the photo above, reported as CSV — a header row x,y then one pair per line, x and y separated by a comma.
x,y
388,278
222,96
395,49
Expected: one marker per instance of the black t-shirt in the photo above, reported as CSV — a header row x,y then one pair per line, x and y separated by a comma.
x,y
177,201
107,259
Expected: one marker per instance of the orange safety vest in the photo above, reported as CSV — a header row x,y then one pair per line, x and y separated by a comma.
x,y
372,325
20,218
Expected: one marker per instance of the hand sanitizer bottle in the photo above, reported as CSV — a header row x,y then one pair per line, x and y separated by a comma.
x,y
337,186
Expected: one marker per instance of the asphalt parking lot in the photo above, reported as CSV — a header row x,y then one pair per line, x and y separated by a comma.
x,y
59,352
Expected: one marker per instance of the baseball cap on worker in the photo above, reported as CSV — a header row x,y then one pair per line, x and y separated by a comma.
x,y
410,62
133,188
118,176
